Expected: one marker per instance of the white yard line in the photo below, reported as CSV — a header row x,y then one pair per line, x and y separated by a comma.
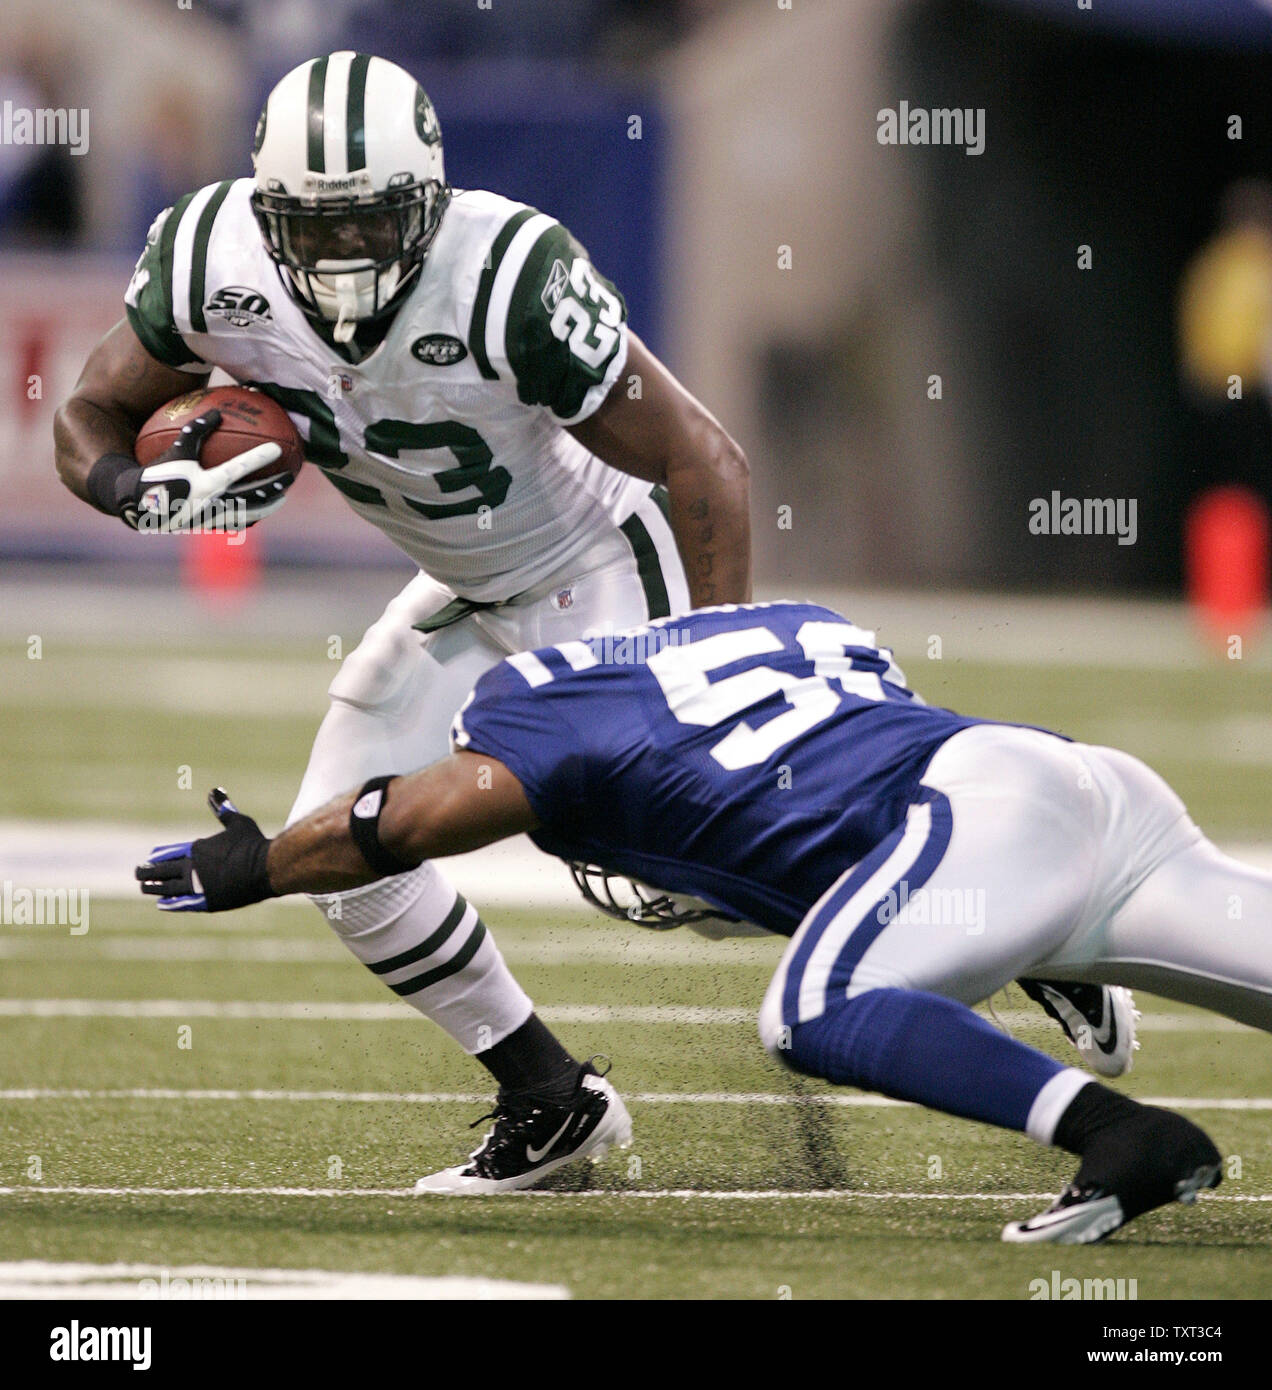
x,y
99,856
47,1279
755,1098
542,946
361,1013
394,1011
627,1194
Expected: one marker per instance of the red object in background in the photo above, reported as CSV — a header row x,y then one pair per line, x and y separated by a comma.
x,y
1226,533
221,567
32,354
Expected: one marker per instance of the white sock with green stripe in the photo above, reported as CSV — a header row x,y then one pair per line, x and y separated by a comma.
x,y
431,949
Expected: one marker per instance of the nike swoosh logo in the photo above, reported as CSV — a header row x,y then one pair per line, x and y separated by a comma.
x,y
534,1155
1106,1038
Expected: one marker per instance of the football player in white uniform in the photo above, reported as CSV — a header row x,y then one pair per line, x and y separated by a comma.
x,y
467,380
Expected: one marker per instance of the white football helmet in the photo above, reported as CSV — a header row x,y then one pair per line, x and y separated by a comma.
x,y
350,187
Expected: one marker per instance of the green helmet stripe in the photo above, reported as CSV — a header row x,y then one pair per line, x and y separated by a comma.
x,y
199,256
355,120
317,88
481,302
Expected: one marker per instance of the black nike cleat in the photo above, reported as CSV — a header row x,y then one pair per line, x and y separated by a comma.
x,y
532,1137
1099,1020
1146,1161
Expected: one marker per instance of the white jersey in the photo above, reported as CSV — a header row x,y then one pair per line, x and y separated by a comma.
x,y
449,435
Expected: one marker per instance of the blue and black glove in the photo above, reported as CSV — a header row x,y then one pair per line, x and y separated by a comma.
x,y
215,874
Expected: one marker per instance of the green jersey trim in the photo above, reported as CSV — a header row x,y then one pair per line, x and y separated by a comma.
x,y
566,326
199,256
485,284
148,302
648,566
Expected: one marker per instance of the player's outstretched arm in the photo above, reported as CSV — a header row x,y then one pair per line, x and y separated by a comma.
x,y
462,803
120,387
669,437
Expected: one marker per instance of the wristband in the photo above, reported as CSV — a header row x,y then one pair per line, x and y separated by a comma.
x,y
111,482
364,827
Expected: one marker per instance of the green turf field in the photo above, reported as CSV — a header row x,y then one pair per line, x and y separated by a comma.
x,y
742,1181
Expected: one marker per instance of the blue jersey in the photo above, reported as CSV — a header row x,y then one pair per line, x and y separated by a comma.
x,y
745,755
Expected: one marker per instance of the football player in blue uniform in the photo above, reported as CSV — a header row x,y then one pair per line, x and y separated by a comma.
x,y
768,764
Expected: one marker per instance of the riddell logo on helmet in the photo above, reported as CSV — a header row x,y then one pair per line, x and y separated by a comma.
x,y
324,183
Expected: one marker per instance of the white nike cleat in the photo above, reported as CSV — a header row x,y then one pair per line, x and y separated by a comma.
x,y
1151,1159
1099,1020
1077,1218
531,1138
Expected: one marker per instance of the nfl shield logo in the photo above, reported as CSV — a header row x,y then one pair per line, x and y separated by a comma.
x,y
563,599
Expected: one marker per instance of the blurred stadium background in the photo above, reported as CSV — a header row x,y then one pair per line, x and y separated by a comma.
x,y
809,283
1108,128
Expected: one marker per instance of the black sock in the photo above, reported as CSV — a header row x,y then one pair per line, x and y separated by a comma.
x,y
531,1059
1093,1109
1140,1153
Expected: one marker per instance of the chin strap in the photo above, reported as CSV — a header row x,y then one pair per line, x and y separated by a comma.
x,y
346,324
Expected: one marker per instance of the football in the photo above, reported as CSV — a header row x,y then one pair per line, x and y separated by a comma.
x,y
248,418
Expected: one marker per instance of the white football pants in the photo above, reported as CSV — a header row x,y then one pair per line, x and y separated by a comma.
x,y
392,703
1026,855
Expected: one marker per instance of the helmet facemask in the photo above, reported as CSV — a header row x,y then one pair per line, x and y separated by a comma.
x,y
628,900
351,258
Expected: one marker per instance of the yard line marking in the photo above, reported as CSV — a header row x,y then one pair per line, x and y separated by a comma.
x,y
394,1011
625,1194
99,856
847,1102
367,1013
46,1279
547,948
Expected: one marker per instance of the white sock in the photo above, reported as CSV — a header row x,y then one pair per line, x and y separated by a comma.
x,y
430,947
1052,1101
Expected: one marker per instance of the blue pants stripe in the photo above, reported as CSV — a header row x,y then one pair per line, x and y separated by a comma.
x,y
873,920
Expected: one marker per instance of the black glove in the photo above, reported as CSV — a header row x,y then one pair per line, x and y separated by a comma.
x,y
213,875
